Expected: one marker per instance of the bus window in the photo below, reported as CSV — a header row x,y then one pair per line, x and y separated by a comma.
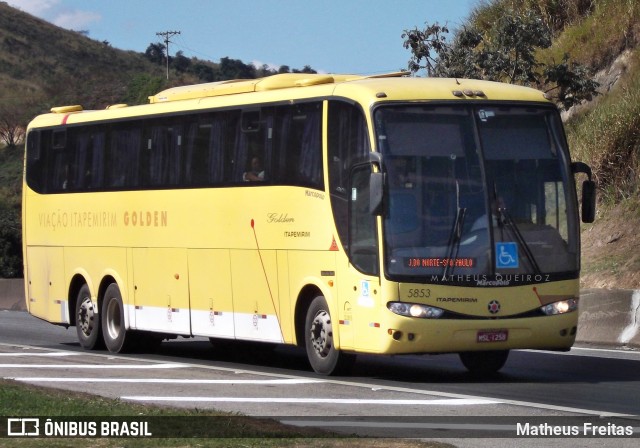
x,y
363,246
210,158
162,155
457,204
123,158
296,148
35,163
89,159
61,162
348,141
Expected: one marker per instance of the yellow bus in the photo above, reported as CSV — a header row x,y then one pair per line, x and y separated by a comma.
x,y
344,214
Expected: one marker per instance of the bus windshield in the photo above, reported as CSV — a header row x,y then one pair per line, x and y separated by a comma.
x,y
476,194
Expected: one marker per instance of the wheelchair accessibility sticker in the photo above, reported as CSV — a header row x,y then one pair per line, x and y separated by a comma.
x,y
506,255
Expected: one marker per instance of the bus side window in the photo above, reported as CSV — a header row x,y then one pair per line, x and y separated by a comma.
x,y
35,166
196,160
295,149
363,246
61,173
250,142
209,152
88,159
124,157
348,141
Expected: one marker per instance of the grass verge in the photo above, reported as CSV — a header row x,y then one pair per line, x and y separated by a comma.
x,y
21,400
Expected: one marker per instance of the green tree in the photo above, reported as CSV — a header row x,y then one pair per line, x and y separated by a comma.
x,y
15,114
505,51
235,69
12,126
10,242
204,72
305,69
155,52
142,86
180,62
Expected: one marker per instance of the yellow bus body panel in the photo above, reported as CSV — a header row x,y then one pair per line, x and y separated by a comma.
x,y
232,262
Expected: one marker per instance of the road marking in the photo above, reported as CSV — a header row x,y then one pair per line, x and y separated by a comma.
x,y
358,401
94,366
235,370
627,353
160,380
385,424
527,404
54,354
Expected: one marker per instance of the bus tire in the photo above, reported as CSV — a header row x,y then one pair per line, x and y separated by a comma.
x,y
88,321
114,331
484,363
324,357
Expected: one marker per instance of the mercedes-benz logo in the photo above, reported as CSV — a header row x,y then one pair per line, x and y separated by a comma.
x,y
494,307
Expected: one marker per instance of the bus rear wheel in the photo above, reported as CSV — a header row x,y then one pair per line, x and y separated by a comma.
x,y
484,363
88,321
323,356
113,325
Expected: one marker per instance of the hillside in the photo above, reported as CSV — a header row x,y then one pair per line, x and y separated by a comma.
x,y
603,35
44,65
606,134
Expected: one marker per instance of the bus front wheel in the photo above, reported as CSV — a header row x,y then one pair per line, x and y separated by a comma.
x,y
113,326
88,321
323,355
484,363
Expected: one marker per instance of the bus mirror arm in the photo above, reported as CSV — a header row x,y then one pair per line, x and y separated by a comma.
x,y
588,192
581,167
588,201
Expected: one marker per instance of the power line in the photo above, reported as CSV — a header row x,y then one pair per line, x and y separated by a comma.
x,y
166,35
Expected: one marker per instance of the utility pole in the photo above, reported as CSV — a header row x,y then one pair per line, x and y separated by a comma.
x,y
166,35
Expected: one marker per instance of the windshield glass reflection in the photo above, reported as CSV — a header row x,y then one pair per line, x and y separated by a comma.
x,y
475,192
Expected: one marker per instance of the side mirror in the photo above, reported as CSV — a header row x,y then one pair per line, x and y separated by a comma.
x,y
588,192
376,188
588,201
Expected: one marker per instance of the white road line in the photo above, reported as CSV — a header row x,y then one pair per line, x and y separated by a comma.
x,y
358,401
385,424
94,366
576,351
54,354
365,385
159,380
527,404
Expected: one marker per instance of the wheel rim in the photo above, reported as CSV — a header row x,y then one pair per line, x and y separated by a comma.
x,y
114,319
86,316
322,334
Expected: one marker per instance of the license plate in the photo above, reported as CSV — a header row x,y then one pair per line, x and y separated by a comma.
x,y
492,335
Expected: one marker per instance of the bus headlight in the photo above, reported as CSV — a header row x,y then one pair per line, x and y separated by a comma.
x,y
415,310
564,306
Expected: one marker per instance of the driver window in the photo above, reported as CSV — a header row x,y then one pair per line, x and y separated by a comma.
x,y
363,248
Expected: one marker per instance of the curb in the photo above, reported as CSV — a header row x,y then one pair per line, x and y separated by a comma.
x,y
12,294
609,317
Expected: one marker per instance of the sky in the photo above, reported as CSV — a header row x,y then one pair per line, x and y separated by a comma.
x,y
331,36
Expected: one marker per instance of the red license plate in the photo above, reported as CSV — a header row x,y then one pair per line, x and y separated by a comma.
x,y
492,335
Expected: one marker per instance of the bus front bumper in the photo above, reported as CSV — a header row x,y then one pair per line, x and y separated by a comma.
x,y
403,335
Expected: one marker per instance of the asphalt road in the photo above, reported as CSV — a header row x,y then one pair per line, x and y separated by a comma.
x,y
382,394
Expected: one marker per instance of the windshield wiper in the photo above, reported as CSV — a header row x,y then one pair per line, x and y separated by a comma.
x,y
454,241
505,219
